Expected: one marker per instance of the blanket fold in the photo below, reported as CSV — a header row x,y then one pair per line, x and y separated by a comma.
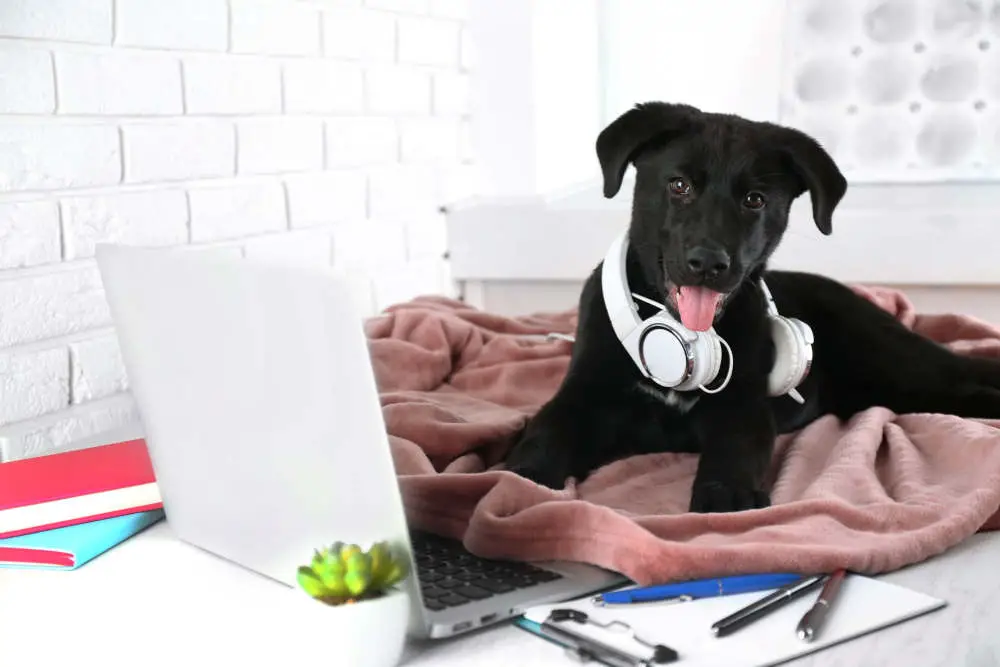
x,y
872,494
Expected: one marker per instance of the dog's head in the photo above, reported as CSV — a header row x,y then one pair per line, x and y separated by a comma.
x,y
712,196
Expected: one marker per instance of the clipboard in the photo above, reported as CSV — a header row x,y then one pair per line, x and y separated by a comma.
x,y
584,647
864,605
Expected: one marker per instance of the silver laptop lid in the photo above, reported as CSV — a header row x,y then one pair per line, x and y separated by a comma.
x,y
259,405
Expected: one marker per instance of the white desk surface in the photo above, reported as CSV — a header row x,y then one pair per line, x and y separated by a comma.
x,y
154,600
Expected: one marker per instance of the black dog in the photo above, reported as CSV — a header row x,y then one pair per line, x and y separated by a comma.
x,y
710,205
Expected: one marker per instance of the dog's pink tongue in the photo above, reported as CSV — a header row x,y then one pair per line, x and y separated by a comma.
x,y
697,307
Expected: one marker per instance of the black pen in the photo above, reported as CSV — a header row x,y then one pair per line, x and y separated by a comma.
x,y
764,606
813,619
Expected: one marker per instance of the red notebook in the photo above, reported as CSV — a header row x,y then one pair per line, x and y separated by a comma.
x,y
74,487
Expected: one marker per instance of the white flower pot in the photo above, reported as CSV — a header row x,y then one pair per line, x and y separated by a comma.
x,y
371,633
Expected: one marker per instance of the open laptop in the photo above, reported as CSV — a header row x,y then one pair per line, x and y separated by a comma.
x,y
265,430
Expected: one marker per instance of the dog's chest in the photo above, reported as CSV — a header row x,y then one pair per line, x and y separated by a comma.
x,y
678,400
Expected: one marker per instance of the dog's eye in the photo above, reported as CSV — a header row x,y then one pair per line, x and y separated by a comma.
x,y
679,187
754,201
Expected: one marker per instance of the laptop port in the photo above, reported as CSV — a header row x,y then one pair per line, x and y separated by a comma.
x,y
460,627
488,618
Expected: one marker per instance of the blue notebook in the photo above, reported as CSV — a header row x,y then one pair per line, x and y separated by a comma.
x,y
70,547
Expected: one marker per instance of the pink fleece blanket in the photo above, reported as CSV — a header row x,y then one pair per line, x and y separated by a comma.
x,y
873,494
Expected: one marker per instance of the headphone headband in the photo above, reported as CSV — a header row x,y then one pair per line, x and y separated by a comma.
x,y
614,286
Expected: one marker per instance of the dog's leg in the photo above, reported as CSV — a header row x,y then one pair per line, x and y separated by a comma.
x,y
558,442
571,436
945,383
737,439
870,359
543,453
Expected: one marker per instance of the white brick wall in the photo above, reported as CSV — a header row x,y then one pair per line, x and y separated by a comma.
x,y
63,20
49,155
33,383
172,24
276,145
27,83
227,85
29,233
359,34
111,83
316,132
232,211
428,41
150,217
323,86
178,150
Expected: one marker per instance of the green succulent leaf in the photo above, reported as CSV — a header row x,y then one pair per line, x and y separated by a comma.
x,y
319,557
357,582
310,582
360,563
393,576
381,562
392,570
334,584
346,552
330,567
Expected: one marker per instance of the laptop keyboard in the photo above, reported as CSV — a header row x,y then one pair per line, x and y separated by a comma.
x,y
450,576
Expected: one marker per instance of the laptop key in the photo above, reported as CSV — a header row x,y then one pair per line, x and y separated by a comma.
x,y
472,592
449,583
493,585
434,605
430,577
433,592
521,582
453,600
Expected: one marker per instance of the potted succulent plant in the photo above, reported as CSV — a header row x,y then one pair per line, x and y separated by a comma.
x,y
368,611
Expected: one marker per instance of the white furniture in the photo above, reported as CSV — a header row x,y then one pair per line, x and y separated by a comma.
x,y
519,255
154,600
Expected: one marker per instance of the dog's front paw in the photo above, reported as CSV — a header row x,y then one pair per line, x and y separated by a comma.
x,y
539,464
545,475
718,496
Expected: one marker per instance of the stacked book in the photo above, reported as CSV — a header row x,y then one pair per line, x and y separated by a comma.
x,y
62,510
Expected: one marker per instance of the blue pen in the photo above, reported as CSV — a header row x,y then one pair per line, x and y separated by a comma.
x,y
702,588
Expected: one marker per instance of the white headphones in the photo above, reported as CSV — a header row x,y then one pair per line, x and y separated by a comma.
x,y
676,357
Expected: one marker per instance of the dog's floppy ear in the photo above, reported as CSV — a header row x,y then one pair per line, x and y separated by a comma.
x,y
619,142
819,174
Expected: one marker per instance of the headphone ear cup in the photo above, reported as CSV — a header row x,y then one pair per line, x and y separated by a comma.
x,y
791,355
714,358
664,356
708,360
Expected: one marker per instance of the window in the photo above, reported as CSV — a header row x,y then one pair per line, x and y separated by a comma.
x,y
898,90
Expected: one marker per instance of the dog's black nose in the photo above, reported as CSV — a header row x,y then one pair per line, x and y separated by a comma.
x,y
708,262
